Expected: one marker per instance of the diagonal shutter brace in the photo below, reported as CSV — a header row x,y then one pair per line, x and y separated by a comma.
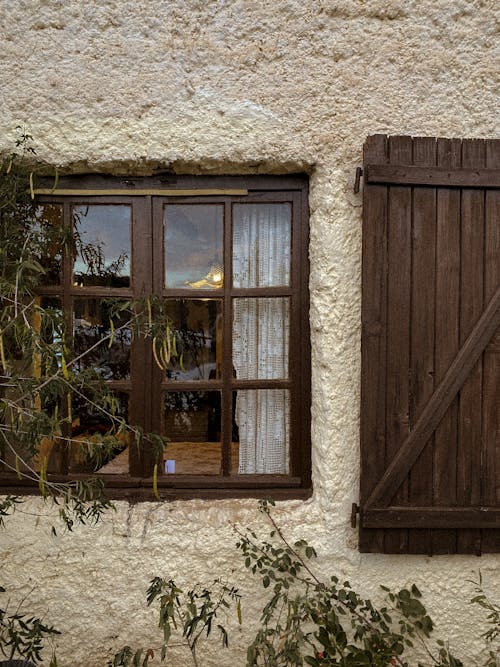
x,y
437,405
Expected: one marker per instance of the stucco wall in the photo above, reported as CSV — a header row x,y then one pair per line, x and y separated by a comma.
x,y
235,86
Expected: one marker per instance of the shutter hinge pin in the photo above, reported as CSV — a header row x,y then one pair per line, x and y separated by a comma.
x,y
354,513
359,173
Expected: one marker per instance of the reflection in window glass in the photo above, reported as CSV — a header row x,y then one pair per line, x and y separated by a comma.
x,y
192,422
262,235
197,328
47,233
263,420
193,246
101,339
260,338
102,246
90,447
49,321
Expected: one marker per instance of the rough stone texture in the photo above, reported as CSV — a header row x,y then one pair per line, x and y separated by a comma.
x,y
242,86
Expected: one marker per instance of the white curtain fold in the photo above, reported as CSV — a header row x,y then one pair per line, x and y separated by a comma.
x,y
261,258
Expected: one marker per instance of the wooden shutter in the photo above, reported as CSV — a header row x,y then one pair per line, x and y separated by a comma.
x,y
430,395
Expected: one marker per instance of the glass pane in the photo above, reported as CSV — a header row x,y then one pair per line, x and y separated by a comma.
x,y
49,321
262,236
192,421
102,246
48,238
101,338
96,443
197,328
194,237
262,417
260,338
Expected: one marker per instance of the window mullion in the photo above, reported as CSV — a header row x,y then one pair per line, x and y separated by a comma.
x,y
227,353
142,411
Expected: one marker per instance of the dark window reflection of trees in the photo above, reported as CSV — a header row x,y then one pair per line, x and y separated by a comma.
x,y
198,330
99,270
49,236
102,339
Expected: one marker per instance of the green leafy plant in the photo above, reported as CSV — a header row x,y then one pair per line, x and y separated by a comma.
x,y
492,610
23,635
53,370
325,623
45,378
308,619
184,619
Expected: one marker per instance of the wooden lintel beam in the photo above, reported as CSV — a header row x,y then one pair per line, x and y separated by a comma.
x,y
129,192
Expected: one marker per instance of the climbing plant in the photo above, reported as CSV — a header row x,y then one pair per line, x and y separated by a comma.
x,y
43,376
45,379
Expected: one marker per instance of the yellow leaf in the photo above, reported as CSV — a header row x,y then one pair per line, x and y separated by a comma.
x,y
112,334
155,482
64,367
19,476
155,355
165,354
43,477
56,179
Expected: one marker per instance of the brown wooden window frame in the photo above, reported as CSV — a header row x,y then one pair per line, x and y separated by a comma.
x,y
146,197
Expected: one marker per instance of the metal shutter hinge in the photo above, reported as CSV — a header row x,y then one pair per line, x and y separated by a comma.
x,y
354,513
357,179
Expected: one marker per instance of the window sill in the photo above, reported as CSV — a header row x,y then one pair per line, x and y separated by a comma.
x,y
178,487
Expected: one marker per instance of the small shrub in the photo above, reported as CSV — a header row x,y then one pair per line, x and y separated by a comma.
x,y
184,619
23,635
325,623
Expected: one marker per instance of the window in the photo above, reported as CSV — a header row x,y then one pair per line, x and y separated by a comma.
x,y
227,259
430,458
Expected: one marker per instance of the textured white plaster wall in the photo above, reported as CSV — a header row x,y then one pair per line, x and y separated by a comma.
x,y
242,86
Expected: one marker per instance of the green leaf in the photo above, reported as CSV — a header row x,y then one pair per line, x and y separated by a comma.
x,y
238,611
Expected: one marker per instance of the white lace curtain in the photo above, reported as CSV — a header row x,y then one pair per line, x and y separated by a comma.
x,y
261,258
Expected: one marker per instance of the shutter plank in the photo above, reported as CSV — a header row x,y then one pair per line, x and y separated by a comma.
x,y
491,360
398,326
447,338
422,332
471,305
373,342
